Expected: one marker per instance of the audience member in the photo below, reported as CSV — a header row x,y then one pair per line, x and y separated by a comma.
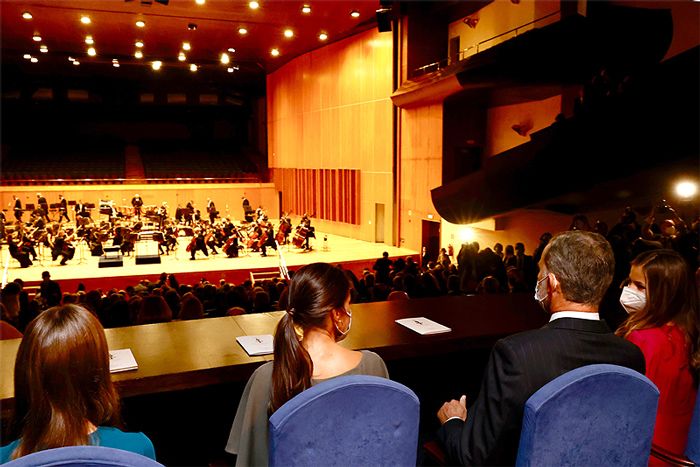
x,y
306,352
64,395
661,299
191,307
7,330
50,290
383,266
575,271
153,309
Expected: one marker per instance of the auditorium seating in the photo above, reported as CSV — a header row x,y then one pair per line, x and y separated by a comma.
x,y
593,415
349,420
84,455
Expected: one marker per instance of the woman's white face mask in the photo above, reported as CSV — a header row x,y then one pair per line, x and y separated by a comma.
x,y
632,300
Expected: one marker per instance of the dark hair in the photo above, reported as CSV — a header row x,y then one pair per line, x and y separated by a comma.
x,y
153,309
671,298
62,380
314,292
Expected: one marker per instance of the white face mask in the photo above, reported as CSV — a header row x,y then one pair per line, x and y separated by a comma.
x,y
344,333
541,292
632,300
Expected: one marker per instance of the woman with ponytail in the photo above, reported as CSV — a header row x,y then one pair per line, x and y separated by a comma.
x,y
306,352
661,299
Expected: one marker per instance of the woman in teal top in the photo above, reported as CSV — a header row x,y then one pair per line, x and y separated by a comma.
x,y
64,395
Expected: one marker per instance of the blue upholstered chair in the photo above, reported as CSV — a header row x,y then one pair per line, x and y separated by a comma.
x,y
348,421
593,415
84,456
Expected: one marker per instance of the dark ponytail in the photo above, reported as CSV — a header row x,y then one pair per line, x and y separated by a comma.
x,y
314,292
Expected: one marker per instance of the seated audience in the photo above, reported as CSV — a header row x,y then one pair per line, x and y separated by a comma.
x,y
663,321
575,271
306,352
191,307
64,395
153,309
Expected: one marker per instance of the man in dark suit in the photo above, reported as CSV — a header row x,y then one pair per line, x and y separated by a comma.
x,y
63,208
575,271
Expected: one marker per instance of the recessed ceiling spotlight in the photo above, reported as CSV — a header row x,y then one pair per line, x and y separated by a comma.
x,y
89,40
138,44
200,2
85,19
186,46
26,56
27,15
76,63
140,24
138,54
43,49
242,31
288,33
182,57
193,67
229,69
275,52
355,14
306,9
92,52
253,5
231,49
116,64
192,26
323,36
33,59
36,38
156,65
71,59
225,59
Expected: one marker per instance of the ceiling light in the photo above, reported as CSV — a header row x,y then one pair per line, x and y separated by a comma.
x,y
192,26
36,38
138,44
33,59
26,56
274,52
355,14
43,49
288,33
76,63
182,57
114,60
138,54
306,9
242,31
71,59
193,67
225,59
27,15
85,19
231,49
92,52
229,69
89,40
116,65
686,189
200,2
156,65
323,36
140,24
254,5
186,46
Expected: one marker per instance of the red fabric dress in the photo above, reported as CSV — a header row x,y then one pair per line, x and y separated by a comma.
x,y
8,331
665,350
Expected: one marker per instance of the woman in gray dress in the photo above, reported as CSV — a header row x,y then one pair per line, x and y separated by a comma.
x,y
306,353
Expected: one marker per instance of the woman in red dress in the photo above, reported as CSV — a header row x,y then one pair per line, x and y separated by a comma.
x,y
661,299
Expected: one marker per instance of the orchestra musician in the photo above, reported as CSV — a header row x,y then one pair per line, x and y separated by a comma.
x,y
43,205
189,213
2,225
210,240
137,202
211,210
197,244
284,229
268,238
162,214
18,208
231,245
170,240
17,253
61,245
27,242
62,209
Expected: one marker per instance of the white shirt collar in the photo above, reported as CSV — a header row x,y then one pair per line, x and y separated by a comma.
x,y
575,314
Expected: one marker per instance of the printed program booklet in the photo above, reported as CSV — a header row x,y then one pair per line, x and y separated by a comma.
x,y
423,325
122,360
256,345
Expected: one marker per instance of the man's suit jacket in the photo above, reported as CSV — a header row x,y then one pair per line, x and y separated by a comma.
x,y
519,365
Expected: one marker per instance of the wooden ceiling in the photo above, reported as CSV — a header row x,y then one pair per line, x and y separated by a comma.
x,y
114,31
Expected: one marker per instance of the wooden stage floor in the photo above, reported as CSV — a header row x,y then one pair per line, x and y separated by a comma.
x,y
83,268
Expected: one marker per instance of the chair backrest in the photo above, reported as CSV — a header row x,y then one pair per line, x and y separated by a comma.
x,y
84,456
594,415
692,451
349,420
397,295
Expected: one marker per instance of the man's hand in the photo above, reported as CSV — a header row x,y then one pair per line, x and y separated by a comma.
x,y
453,409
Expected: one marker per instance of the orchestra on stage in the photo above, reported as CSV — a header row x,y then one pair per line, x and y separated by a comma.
x,y
124,226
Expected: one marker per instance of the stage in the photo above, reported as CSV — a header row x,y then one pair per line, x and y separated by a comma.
x,y
84,268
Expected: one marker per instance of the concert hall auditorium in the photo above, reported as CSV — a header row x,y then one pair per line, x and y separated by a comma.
x,y
177,169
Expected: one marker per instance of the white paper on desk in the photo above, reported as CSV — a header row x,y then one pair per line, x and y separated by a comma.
x,y
256,345
122,360
423,325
